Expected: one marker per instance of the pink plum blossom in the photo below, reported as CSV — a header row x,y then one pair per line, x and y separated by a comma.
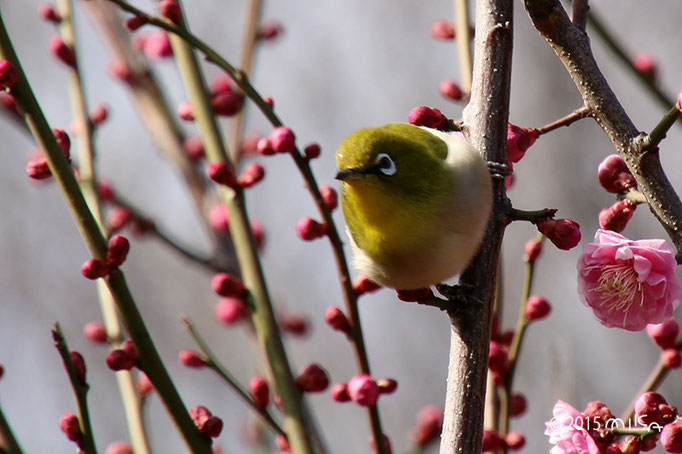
x,y
628,284
567,432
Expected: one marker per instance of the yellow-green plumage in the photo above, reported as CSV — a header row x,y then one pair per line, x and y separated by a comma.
x,y
418,219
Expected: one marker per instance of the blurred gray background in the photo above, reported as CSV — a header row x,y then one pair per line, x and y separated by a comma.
x,y
338,67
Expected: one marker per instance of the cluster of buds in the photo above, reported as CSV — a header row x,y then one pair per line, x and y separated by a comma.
x,y
665,336
37,166
615,177
363,390
117,251
124,358
281,140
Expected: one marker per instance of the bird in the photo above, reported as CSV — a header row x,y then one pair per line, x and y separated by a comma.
x,y
416,202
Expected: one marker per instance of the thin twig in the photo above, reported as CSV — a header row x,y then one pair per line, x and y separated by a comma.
x,y
8,441
660,130
579,10
463,41
530,216
566,121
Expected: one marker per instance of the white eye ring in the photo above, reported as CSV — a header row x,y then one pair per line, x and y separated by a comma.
x,y
385,164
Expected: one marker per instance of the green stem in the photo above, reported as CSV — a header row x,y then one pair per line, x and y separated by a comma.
x,y
80,391
640,431
658,133
530,216
8,442
96,243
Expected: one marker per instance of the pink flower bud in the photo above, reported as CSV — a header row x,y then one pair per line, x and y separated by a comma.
x,y
671,437
47,12
339,392
69,424
269,30
519,140
209,425
194,148
63,141
221,83
134,23
450,90
157,45
259,391
599,416
186,111
337,319
252,174
518,404
250,141
98,114
651,407
515,440
312,379
670,357
8,75
564,233
61,51
387,385
143,385
614,175
226,104
105,191
225,284
387,444
311,151
264,147
119,447
293,324
414,296
218,219
664,334
533,249
329,196
231,310
506,337
426,116
171,10
442,29
38,169
309,229
428,425
222,173
190,358
537,308
95,332
363,390
128,346
492,441
95,268
362,284
117,218
117,250
283,140
120,360
282,443
679,101
269,101
498,358
78,365
258,233
616,217
8,103
645,64
119,69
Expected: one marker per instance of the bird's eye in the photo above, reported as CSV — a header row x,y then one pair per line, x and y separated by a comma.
x,y
385,164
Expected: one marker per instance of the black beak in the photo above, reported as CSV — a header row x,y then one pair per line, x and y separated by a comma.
x,y
350,173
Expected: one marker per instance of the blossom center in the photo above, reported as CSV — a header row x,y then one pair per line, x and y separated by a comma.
x,y
617,286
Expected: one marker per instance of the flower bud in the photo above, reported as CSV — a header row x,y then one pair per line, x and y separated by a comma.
x,y
519,140
498,358
129,346
450,90
537,308
225,284
283,140
414,296
283,444
119,447
47,12
222,173
679,101
264,147
428,425
664,334
194,148
252,174
61,51
564,233
311,151
226,104
63,141
671,358
362,284
120,360
309,229
363,390
515,440
258,233
630,445
69,424
614,175
269,101
598,415
518,404
95,269
209,425
98,114
443,30
8,103
492,441
312,379
426,116
135,22
117,250
651,407
230,310
336,319
671,437
329,196
387,385
616,217
387,444
259,391
339,392
506,337
117,218
78,365
95,332
171,10
533,249
645,64
269,30
8,75
186,111
218,219
293,324
157,45
119,69
143,385
190,358
38,169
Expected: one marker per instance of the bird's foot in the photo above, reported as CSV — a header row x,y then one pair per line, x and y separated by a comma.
x,y
460,294
499,170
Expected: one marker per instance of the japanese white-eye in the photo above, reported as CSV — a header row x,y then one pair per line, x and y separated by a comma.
x,y
416,201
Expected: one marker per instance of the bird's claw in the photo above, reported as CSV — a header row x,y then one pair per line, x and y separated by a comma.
x,y
499,170
459,293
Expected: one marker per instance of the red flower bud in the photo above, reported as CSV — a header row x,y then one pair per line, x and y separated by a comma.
x,y
670,357
190,358
250,141
518,404
95,268
264,147
564,233
218,219
120,360
537,308
614,175
69,424
414,296
311,151
95,332
515,440
645,64
38,169
259,391
49,13
258,233
61,51
498,358
426,116
337,319
78,365
599,415
226,104
252,174
171,10
363,390
194,148
135,22
186,111
339,392
491,441
117,218
329,196
119,447
664,334
293,324
129,346
222,173
8,75
362,284
231,310
309,229
225,284
387,385
8,103
616,217
269,101
98,114
143,384
157,45
62,140
449,89
119,69
428,425
209,425
533,249
117,250
283,140
679,101
442,29
312,379
671,437
651,407
519,140
269,30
